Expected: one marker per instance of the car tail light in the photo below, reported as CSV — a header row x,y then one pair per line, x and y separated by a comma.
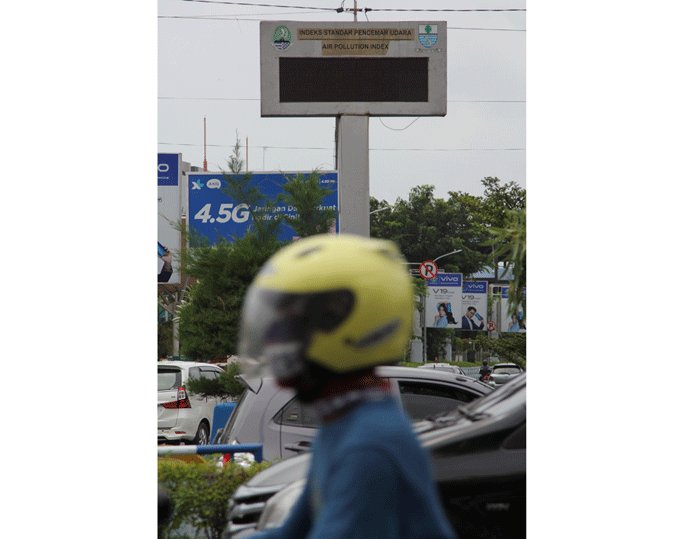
x,y
181,400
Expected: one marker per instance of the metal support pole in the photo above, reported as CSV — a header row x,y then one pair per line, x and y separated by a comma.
x,y
353,175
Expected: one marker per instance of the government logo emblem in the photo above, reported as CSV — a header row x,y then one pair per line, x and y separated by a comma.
x,y
427,35
282,38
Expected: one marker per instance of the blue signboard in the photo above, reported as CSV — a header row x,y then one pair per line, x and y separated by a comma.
x,y
168,215
168,169
475,287
214,213
446,279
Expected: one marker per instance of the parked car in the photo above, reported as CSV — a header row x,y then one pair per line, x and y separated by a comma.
x,y
502,373
182,417
446,367
478,453
274,417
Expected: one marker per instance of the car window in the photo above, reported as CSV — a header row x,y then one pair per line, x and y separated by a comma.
x,y
298,414
210,374
507,370
423,399
168,379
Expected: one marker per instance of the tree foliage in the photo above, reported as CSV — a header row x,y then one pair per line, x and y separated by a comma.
x,y
305,193
510,247
510,347
426,227
499,199
226,385
210,314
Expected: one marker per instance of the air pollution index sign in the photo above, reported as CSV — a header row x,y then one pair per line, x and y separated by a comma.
x,y
359,68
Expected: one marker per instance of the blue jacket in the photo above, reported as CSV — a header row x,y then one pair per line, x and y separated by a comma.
x,y
369,479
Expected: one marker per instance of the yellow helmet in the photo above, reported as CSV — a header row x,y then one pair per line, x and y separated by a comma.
x,y
340,302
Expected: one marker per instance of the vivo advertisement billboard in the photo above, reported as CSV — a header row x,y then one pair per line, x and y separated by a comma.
x,y
474,305
515,322
443,305
213,213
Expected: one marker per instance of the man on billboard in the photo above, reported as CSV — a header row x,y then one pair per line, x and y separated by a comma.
x,y
472,320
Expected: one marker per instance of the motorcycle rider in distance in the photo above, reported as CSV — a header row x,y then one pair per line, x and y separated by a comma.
x,y
484,371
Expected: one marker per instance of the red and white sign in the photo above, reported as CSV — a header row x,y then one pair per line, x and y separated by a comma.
x,y
428,269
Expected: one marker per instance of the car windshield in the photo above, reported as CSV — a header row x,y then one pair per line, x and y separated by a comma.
x,y
497,402
507,395
168,379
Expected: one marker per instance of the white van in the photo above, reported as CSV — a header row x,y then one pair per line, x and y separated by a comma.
x,y
182,417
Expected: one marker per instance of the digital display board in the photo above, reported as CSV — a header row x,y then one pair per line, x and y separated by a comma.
x,y
369,68
353,79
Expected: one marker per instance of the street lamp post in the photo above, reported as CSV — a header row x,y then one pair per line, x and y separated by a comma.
x,y
443,256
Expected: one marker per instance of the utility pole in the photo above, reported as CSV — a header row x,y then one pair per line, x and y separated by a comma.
x,y
205,146
354,10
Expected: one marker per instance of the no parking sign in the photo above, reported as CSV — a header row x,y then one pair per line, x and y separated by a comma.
x,y
428,269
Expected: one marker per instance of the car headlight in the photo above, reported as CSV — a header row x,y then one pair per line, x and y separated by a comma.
x,y
278,507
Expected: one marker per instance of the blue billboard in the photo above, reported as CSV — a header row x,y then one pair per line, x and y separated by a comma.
x,y
168,168
168,216
213,213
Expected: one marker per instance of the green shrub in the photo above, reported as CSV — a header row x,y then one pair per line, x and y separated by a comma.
x,y
200,492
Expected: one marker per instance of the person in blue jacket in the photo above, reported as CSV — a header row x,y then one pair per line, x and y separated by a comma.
x,y
319,318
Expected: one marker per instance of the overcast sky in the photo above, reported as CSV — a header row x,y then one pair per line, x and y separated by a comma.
x,y
208,66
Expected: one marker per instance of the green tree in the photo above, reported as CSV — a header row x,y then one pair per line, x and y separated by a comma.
x,y
239,187
210,314
305,193
498,200
510,247
426,227
509,347
226,385
165,332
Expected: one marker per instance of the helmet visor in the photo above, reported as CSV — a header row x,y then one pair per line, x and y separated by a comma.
x,y
277,327
272,333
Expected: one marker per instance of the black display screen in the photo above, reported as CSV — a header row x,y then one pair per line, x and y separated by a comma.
x,y
324,80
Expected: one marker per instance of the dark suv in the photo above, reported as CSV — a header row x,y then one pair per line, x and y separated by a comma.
x,y
479,462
